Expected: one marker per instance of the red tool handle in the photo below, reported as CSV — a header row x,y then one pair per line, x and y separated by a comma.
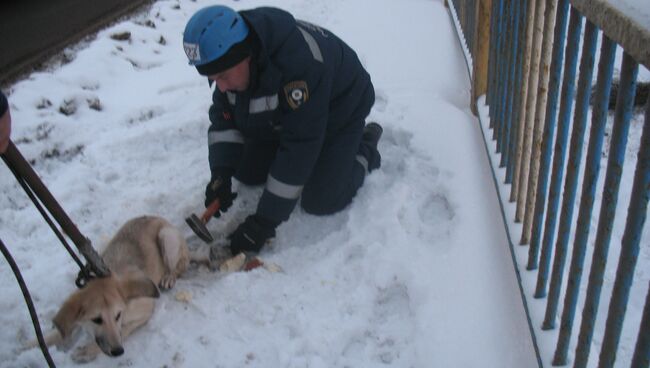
x,y
211,210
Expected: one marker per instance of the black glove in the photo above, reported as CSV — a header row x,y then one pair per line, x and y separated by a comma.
x,y
251,235
220,186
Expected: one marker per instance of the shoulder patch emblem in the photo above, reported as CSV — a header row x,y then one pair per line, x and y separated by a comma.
x,y
296,93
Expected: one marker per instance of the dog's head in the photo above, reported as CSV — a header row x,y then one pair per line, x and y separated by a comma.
x,y
99,309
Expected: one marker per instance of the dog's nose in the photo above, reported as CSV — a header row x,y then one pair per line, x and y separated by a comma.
x,y
117,351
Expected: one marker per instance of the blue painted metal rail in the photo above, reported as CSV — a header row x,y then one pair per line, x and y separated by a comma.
x,y
527,80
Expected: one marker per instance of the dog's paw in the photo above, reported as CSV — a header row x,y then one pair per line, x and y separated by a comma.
x,y
86,353
233,264
168,281
272,267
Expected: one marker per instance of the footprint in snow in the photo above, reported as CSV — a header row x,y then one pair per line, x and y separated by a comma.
x,y
388,327
144,115
381,101
427,212
70,105
431,220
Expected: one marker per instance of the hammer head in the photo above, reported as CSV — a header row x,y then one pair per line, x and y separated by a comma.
x,y
199,228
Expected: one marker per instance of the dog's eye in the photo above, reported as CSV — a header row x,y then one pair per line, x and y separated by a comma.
x,y
97,320
117,318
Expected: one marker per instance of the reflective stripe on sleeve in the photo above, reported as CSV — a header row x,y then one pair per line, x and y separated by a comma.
x,y
363,161
232,98
313,45
283,190
261,104
229,136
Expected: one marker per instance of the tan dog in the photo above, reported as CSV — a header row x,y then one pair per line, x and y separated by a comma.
x,y
146,253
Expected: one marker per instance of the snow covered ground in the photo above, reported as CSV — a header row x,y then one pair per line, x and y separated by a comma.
x,y
415,273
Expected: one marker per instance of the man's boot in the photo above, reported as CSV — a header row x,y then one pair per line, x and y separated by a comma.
x,y
369,140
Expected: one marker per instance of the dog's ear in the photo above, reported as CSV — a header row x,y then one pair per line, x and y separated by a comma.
x,y
66,318
138,287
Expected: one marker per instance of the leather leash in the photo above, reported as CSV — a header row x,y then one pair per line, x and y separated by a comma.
x,y
41,196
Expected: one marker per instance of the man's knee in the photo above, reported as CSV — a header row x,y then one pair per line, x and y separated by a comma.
x,y
322,196
251,177
316,207
321,203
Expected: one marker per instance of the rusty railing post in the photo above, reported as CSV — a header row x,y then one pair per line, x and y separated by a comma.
x,y
481,51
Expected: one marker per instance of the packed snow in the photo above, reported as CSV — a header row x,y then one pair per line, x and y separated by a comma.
x,y
416,272
638,10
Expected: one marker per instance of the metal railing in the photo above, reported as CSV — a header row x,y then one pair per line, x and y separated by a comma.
x,y
523,58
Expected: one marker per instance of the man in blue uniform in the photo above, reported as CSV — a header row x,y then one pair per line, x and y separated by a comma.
x,y
288,111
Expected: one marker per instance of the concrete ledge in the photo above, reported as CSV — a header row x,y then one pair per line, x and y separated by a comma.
x,y
620,28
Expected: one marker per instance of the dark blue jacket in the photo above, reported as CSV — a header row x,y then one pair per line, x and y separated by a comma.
x,y
306,85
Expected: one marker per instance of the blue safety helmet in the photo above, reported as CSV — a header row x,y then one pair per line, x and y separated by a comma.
x,y
215,39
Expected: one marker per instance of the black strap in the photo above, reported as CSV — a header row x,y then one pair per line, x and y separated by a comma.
x,y
29,302
47,218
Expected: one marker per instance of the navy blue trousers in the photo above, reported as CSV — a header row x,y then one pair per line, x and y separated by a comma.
x,y
335,179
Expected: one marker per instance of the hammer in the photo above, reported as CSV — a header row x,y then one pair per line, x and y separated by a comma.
x,y
198,224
